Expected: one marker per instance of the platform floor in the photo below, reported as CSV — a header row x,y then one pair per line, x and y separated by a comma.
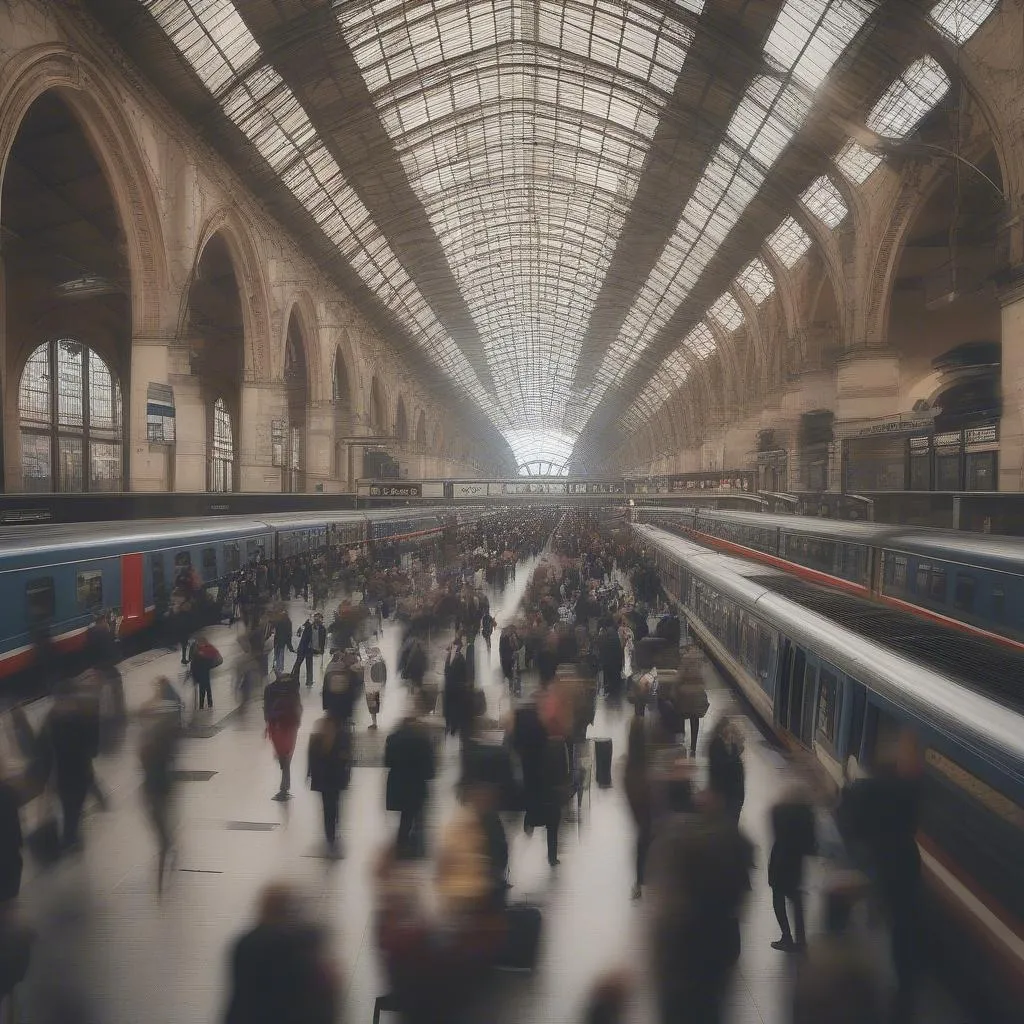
x,y
123,956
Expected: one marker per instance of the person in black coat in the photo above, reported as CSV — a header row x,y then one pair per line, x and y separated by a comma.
x,y
329,769
456,690
304,653
74,738
726,776
613,660
793,827
507,645
539,737
280,971
409,758
10,844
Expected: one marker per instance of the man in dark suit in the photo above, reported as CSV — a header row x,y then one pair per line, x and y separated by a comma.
x,y
409,758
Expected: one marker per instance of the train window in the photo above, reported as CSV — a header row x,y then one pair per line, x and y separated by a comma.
x,y
899,573
156,569
924,571
963,596
40,599
828,692
999,604
764,656
938,586
183,560
89,588
232,558
253,550
209,563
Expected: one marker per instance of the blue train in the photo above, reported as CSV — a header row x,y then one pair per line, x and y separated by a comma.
x,y
825,690
967,581
60,576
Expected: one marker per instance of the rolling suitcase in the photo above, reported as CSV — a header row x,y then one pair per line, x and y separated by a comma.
x,y
522,938
603,762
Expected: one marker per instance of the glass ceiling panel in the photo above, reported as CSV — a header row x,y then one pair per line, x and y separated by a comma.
x,y
825,201
789,242
856,163
807,39
756,280
962,18
909,99
726,312
214,40
523,131
533,446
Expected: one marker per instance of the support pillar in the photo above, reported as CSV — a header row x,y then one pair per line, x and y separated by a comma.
x,y
151,466
319,447
262,404
190,428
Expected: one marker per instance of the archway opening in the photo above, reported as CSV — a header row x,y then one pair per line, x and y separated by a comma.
x,y
296,381
401,422
378,417
421,430
67,315
216,339
341,397
945,320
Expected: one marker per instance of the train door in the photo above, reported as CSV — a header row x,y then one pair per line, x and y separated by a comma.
x,y
802,715
133,603
790,700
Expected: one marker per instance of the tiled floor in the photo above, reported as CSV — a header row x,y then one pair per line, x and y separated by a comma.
x,y
127,957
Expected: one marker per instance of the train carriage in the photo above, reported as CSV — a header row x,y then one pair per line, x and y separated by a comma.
x,y
826,690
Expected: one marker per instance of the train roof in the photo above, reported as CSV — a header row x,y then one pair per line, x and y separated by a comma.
x,y
21,541
947,706
994,550
990,550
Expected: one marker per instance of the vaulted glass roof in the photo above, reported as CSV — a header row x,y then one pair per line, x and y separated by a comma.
x,y
586,171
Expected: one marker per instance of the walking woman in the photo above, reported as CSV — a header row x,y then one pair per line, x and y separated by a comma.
x,y
282,711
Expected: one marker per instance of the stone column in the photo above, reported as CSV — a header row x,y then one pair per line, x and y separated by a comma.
x,y
190,429
262,404
151,466
1011,426
320,447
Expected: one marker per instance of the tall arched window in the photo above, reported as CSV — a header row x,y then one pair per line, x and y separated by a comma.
x,y
70,411
222,449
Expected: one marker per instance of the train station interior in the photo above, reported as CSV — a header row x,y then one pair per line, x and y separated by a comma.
x,y
573,321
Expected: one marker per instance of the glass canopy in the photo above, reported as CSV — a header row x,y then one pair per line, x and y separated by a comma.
x,y
524,129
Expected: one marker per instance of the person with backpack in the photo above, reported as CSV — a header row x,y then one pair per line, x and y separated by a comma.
x,y
203,659
793,826
282,711
329,769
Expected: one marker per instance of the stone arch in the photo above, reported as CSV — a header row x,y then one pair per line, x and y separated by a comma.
x,y
86,90
827,245
401,420
227,223
377,406
755,337
303,309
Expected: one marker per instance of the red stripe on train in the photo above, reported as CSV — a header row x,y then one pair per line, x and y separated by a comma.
x,y
837,582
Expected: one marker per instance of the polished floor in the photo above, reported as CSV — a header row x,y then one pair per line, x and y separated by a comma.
x,y
112,952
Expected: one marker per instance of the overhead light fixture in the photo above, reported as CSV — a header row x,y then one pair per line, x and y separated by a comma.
x,y
87,286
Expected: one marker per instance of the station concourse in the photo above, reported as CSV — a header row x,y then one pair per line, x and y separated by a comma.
x,y
319,285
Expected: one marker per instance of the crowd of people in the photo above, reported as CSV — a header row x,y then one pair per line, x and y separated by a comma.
x,y
592,625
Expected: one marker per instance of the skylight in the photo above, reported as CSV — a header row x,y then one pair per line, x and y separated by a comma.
x,y
825,201
214,40
726,312
524,134
789,242
909,99
808,38
531,447
756,280
962,18
856,163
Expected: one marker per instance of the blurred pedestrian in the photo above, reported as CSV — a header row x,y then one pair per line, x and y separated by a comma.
x,y
281,970
74,739
329,770
158,752
726,776
638,792
409,759
10,840
793,828
282,639
282,712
